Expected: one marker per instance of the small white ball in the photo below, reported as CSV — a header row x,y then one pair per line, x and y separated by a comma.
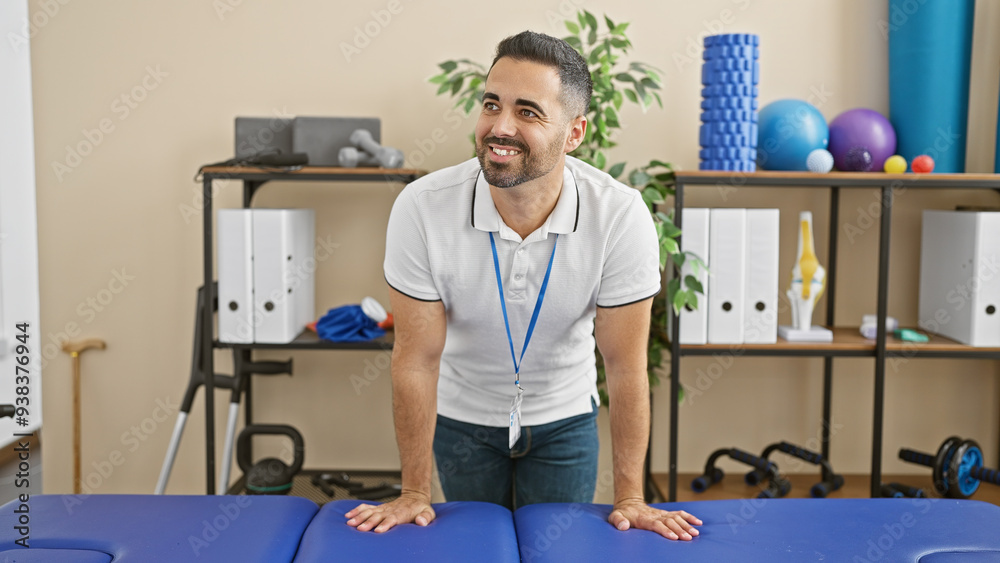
x,y
819,161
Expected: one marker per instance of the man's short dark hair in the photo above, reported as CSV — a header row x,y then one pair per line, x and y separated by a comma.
x,y
574,75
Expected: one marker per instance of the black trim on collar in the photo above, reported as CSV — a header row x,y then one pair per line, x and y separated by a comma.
x,y
472,212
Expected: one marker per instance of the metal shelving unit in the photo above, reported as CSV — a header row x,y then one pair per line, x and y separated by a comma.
x,y
847,342
253,179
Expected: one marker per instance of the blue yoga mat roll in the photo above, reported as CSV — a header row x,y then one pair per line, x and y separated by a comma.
x,y
930,51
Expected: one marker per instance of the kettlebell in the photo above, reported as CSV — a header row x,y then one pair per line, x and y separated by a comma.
x,y
269,476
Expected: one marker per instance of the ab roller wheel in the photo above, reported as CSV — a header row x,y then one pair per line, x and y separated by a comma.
x,y
957,467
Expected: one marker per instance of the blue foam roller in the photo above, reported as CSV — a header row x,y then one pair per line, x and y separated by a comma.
x,y
728,165
714,90
729,75
930,51
728,115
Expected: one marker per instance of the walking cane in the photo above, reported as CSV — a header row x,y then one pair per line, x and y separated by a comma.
x,y
74,349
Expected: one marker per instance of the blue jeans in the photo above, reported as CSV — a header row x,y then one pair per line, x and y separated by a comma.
x,y
555,462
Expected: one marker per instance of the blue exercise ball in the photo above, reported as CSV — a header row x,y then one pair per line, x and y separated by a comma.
x,y
787,131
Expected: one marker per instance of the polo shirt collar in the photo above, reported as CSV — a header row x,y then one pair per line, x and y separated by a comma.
x,y
564,217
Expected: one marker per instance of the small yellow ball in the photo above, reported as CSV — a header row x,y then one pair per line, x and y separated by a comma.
x,y
895,164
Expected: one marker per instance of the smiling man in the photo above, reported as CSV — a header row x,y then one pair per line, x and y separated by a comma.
x,y
502,271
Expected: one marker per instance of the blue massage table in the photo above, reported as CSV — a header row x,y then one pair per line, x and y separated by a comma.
x,y
151,529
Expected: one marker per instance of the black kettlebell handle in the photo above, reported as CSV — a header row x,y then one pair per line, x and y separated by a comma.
x,y
243,443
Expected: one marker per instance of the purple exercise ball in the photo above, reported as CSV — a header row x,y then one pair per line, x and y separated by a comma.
x,y
861,127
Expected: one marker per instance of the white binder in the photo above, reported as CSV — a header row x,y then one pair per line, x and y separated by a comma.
x,y
235,260
761,297
726,283
960,276
283,273
694,323
266,274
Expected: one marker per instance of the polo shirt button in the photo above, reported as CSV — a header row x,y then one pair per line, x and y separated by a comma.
x,y
520,251
518,277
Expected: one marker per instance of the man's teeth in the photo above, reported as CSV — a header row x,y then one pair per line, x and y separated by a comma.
x,y
504,152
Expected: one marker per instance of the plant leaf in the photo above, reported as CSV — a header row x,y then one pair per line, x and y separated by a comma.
x,y
678,301
616,170
574,42
638,178
692,299
670,230
572,27
692,283
448,66
653,196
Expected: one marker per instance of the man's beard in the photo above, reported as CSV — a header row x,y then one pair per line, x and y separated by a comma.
x,y
524,168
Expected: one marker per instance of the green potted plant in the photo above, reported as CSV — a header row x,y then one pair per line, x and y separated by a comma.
x,y
614,84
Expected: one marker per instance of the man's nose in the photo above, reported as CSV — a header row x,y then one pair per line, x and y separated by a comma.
x,y
504,126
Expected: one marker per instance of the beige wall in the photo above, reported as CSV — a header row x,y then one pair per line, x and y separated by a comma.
x,y
129,207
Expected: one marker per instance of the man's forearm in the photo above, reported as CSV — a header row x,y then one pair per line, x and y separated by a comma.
x,y
629,410
414,408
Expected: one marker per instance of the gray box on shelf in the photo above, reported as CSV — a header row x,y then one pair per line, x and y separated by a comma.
x,y
323,137
256,135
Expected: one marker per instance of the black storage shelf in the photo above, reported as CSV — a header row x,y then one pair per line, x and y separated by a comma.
x,y
308,340
847,341
253,179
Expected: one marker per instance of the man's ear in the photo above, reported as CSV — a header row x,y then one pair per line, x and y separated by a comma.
x,y
577,129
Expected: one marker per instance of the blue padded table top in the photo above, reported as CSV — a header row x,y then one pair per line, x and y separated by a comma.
x,y
155,528
461,532
773,530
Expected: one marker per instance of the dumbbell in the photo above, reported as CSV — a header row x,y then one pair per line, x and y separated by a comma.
x,y
352,157
386,156
777,486
957,467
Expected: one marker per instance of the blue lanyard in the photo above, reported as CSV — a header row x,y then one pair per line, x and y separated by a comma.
x,y
534,314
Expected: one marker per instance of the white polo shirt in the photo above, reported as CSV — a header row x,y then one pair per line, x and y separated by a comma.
x,y
438,248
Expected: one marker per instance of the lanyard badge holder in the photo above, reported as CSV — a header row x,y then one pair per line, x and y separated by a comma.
x,y
515,405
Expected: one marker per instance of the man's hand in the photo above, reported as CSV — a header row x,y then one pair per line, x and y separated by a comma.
x,y
669,524
409,507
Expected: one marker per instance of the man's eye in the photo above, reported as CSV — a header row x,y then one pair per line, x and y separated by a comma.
x,y
491,106
528,113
